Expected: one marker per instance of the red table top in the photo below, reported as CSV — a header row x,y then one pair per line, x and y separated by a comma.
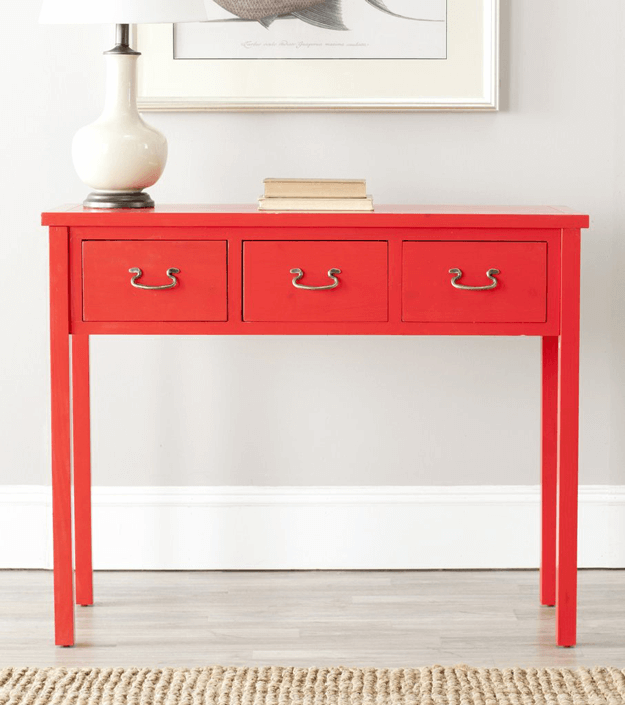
x,y
395,216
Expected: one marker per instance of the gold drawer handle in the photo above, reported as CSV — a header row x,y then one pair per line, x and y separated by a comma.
x,y
490,274
331,273
138,273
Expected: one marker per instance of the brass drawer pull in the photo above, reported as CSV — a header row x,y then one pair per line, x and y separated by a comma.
x,y
331,273
490,274
138,273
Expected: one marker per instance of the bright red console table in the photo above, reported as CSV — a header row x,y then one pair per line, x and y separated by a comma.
x,y
234,271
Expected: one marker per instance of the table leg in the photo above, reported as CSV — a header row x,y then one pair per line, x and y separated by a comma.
x,y
568,440
61,452
549,472
82,469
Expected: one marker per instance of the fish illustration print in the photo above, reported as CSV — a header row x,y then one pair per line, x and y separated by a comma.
x,y
260,9
326,14
320,13
381,5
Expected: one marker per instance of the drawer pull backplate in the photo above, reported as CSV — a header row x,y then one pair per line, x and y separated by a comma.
x,y
490,274
138,273
331,273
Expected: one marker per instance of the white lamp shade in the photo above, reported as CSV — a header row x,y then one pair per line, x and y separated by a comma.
x,y
121,11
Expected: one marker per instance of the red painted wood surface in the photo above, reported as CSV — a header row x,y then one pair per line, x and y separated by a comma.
x,y
568,442
549,469
314,328
308,229
385,216
388,251
520,294
236,326
82,469
270,295
200,294
61,454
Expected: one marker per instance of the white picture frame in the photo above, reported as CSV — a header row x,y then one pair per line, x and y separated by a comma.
x,y
467,79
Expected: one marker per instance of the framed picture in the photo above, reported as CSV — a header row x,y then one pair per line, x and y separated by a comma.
x,y
321,55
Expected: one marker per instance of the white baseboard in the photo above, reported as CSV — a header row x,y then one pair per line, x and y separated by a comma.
x,y
237,528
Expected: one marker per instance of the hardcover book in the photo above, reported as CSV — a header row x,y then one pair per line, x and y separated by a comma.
x,y
315,204
315,188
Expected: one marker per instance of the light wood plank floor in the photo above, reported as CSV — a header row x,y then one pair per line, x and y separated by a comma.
x,y
361,618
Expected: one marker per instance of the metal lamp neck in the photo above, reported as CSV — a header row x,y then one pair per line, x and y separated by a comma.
x,y
122,41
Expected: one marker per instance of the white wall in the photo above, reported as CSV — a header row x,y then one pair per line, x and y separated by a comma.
x,y
325,411
243,528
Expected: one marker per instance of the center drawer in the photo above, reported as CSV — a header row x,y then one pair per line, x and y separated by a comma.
x,y
315,281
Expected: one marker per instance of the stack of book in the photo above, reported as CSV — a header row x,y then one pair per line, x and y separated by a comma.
x,y
315,195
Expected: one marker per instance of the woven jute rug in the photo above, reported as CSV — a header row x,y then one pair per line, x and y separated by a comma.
x,y
458,685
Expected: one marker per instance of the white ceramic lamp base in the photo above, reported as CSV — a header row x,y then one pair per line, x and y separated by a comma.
x,y
119,154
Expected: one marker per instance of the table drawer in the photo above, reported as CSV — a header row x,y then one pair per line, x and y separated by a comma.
x,y
518,292
199,286
357,292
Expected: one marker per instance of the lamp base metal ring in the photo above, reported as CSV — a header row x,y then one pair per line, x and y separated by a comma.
x,y
118,199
